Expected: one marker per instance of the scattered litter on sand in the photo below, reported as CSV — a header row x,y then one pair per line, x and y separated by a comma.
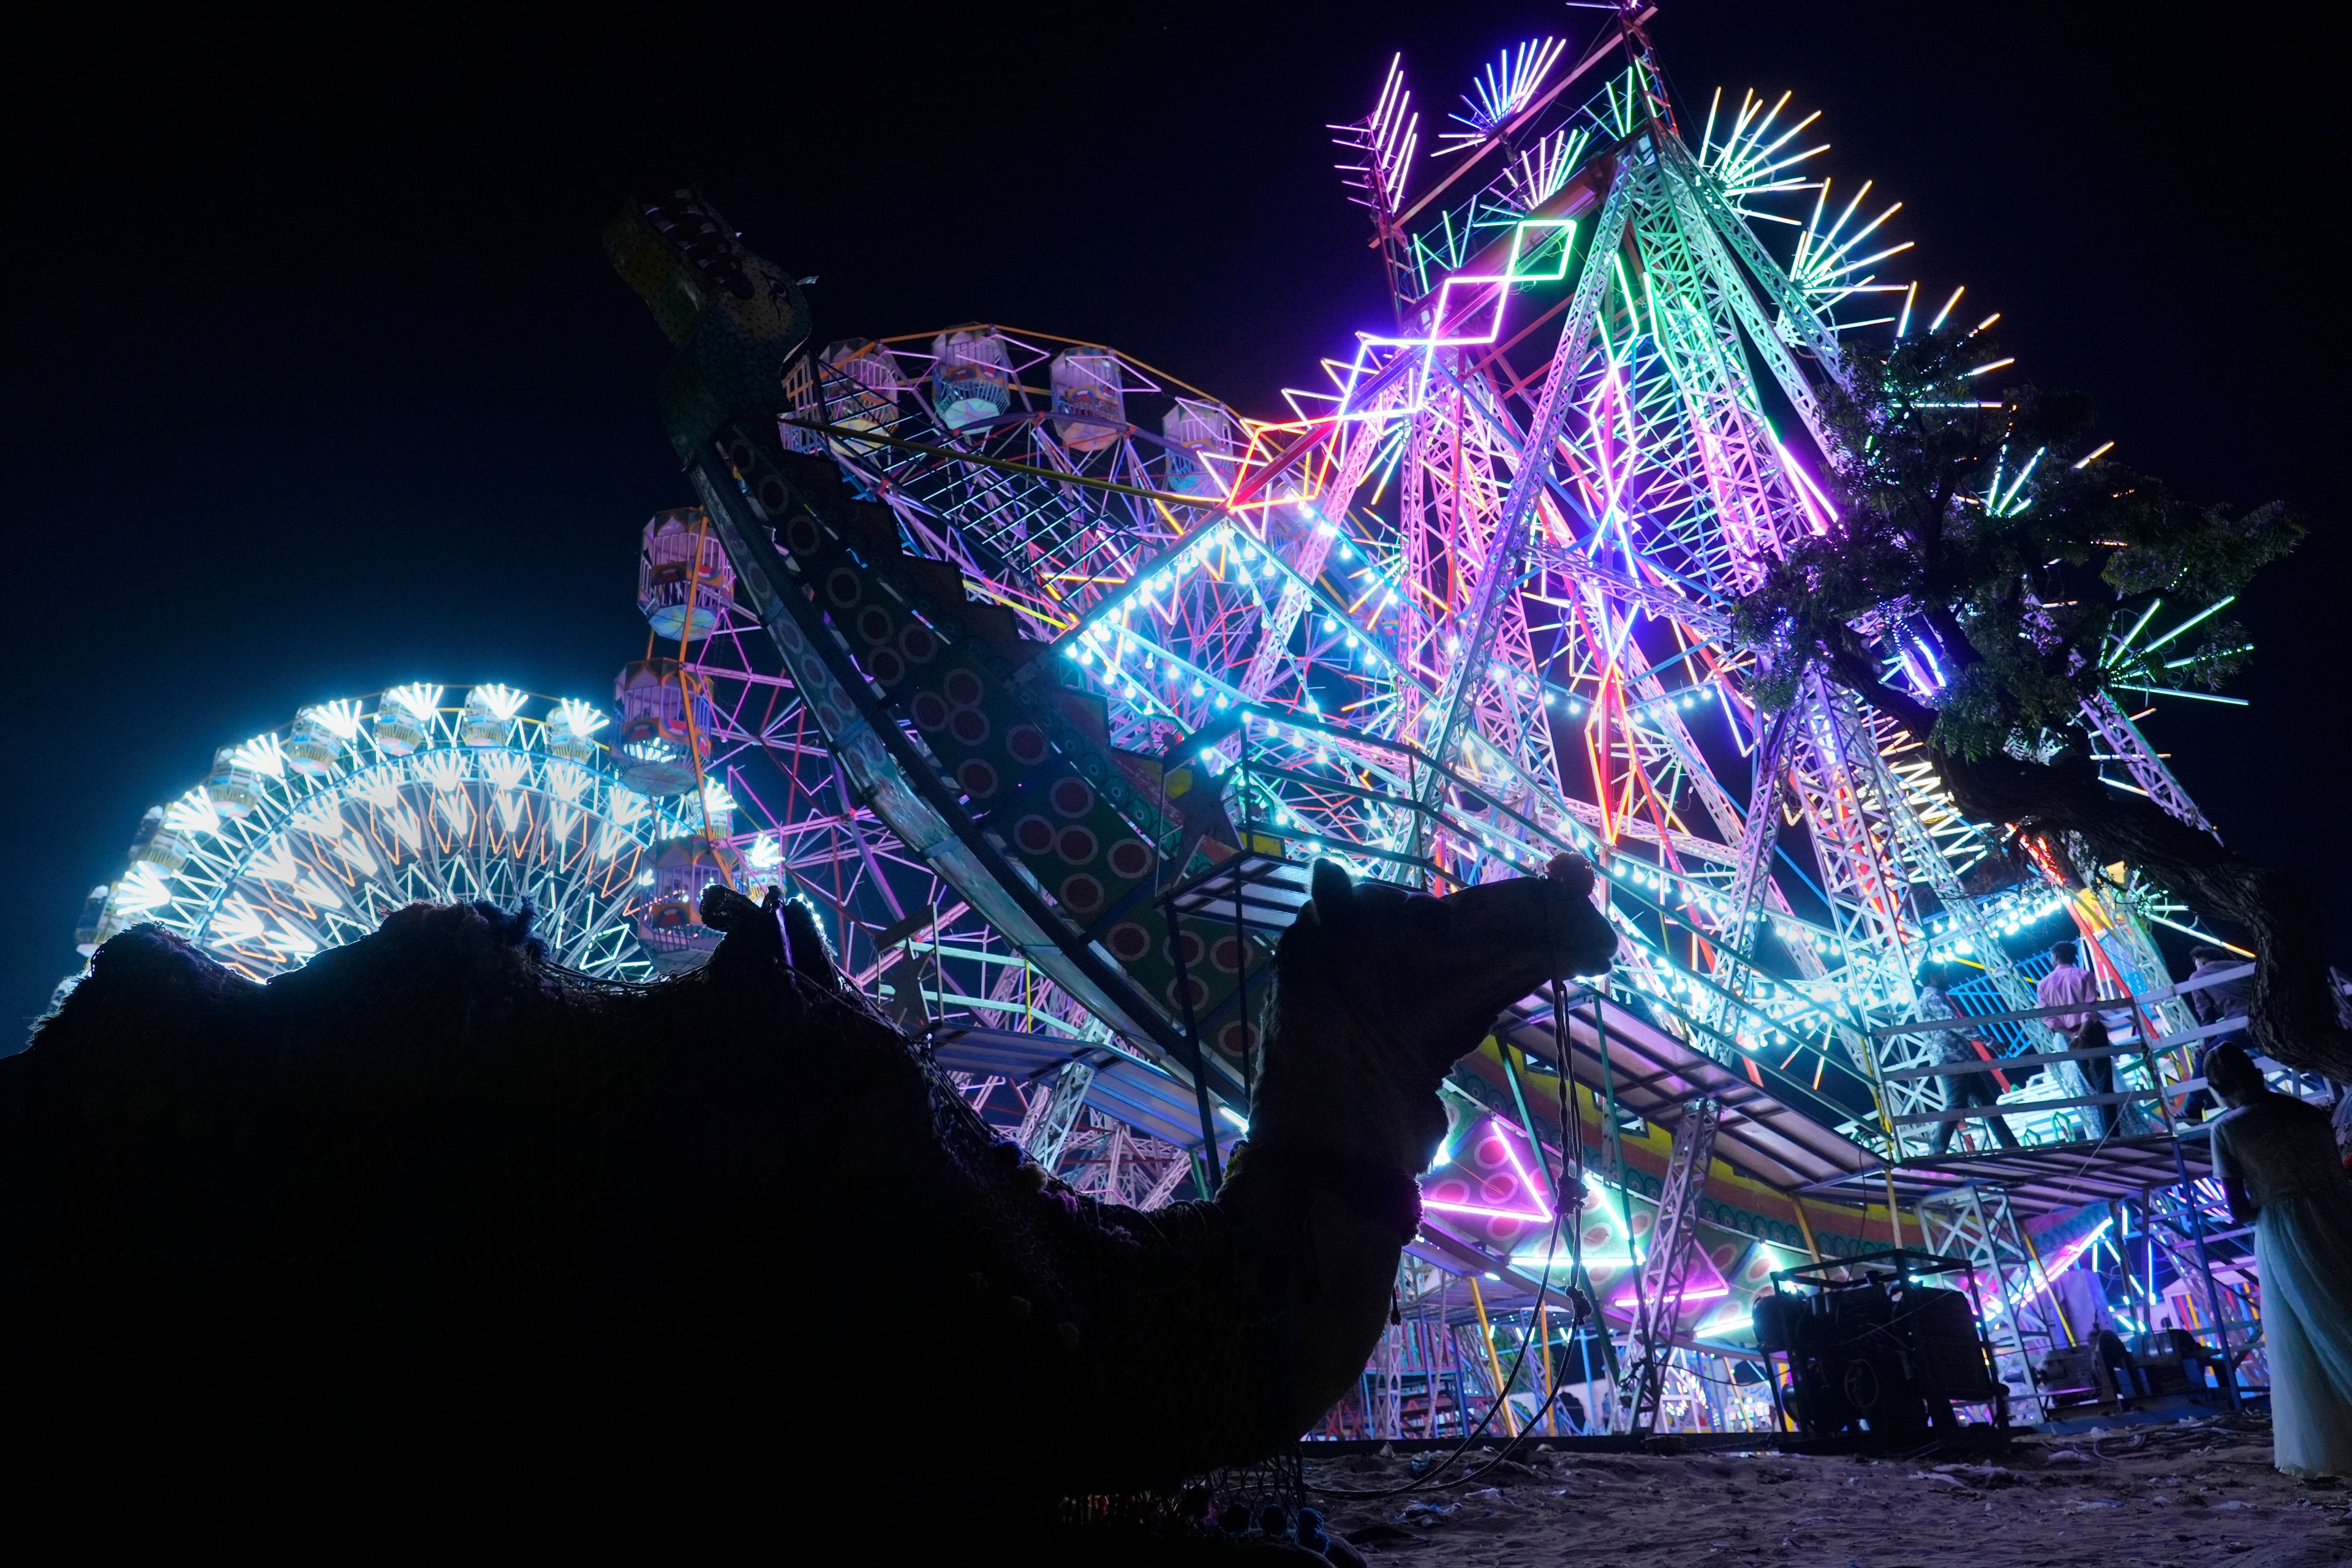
x,y
2190,1496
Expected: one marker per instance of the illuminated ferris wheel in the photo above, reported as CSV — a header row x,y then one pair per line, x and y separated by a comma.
x,y
1468,606
710,708
307,836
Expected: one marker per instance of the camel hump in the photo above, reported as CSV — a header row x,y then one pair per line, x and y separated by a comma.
x,y
158,969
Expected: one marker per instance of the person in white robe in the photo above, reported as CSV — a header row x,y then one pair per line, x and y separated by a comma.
x,y
2277,1157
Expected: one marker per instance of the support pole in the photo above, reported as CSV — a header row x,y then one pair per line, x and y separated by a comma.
x,y
2205,1267
1806,1226
1199,1068
2048,1293
1509,1053
1543,1348
1241,923
1494,1361
1617,1171
1673,1242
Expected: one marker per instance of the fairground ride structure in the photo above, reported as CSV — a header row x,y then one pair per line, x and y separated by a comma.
x,y
1042,675
1045,674
1378,631
305,837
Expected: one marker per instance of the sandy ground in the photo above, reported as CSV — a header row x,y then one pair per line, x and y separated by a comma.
x,y
2177,1495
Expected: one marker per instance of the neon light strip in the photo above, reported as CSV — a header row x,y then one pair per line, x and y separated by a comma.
x,y
1704,1293
1542,1214
1443,312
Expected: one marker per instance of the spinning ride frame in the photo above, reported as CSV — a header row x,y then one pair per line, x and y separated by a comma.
x,y
307,836
1608,570
901,932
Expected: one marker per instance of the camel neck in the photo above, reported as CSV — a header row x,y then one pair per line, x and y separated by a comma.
x,y
1372,1189
1325,1088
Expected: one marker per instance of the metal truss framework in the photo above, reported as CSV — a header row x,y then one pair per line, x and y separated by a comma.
x,y
2192,1222
1666,1267
1469,607
1975,1222
901,929
1094,1155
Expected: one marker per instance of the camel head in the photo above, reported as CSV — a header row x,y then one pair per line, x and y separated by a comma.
x,y
1378,992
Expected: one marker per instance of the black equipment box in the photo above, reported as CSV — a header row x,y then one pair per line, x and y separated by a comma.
x,y
1871,1347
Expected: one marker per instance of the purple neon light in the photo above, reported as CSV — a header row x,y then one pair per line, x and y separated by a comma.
x,y
1440,318
1541,1214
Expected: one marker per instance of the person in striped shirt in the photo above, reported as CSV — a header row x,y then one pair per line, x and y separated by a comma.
x,y
1962,1090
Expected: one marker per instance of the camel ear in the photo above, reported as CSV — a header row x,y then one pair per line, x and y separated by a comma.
x,y
807,946
1334,893
753,937
724,908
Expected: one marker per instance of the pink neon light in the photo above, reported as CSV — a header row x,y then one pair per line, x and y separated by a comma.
x,y
1526,1183
1616,478
1501,1133
1703,1293
1486,1213
1818,509
2066,1260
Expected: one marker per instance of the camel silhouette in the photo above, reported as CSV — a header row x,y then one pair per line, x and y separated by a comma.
x,y
432,1182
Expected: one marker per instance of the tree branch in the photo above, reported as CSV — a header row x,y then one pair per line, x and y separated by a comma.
x,y
2291,1010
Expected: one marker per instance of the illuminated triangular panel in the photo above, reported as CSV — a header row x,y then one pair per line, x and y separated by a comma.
x,y
1486,1177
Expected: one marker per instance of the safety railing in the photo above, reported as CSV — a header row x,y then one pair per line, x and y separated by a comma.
x,y
2167,1095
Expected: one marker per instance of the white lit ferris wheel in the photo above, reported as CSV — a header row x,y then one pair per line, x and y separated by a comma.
x,y
307,836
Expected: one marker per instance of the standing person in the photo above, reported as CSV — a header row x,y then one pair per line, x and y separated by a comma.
x,y
2338,982
1964,1089
2277,1157
2221,1000
2068,982
2215,1003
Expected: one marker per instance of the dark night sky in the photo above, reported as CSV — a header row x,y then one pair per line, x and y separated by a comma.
x,y
317,380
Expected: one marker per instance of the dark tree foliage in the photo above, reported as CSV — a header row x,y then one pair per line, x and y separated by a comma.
x,y
2027,577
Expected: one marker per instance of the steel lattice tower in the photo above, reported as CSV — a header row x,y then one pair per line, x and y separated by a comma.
x,y
1469,606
